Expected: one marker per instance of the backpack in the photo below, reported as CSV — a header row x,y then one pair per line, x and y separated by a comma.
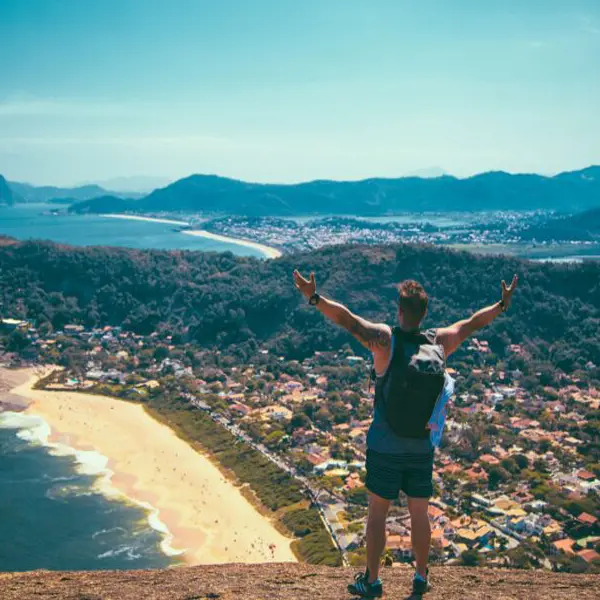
x,y
413,382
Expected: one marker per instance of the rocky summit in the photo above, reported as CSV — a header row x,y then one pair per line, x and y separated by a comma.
x,y
290,581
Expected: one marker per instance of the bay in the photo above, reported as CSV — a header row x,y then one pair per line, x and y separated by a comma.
x,y
33,221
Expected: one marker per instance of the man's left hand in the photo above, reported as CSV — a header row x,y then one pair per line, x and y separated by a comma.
x,y
508,290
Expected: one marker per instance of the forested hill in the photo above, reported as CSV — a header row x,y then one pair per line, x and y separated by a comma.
x,y
7,195
486,191
237,303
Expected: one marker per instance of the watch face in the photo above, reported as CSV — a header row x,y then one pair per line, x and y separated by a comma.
x,y
313,299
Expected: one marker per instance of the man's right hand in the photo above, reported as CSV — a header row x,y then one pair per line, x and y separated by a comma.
x,y
308,287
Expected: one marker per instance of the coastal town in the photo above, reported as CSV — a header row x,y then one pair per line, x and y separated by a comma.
x,y
481,232
517,478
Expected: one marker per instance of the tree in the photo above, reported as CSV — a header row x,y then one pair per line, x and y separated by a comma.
x,y
323,419
496,475
17,341
273,440
470,558
160,353
510,465
300,421
358,496
519,558
521,460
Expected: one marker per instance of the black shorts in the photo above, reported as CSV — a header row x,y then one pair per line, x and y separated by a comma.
x,y
410,472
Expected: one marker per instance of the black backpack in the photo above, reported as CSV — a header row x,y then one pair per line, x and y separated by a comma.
x,y
413,382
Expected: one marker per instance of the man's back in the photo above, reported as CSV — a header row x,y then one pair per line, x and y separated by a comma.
x,y
381,436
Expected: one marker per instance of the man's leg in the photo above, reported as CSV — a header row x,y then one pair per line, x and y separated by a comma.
x,y
378,510
420,533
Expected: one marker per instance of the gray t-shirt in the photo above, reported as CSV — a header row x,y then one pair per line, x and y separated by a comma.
x,y
380,436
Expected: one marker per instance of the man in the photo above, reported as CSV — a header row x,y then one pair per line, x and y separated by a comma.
x,y
401,462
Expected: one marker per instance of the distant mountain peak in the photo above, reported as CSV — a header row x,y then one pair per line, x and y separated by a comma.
x,y
428,173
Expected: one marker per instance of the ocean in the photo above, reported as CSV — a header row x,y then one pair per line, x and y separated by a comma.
x,y
28,221
58,511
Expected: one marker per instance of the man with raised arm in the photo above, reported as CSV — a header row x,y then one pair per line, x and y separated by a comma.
x,y
411,388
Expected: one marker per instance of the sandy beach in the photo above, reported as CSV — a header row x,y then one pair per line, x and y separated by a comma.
x,y
150,219
266,250
205,514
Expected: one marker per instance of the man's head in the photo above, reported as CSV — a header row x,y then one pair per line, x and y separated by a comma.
x,y
412,304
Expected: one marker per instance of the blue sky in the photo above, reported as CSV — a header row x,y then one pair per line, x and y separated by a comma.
x,y
283,90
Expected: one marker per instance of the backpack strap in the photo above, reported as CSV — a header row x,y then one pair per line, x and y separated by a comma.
x,y
413,337
373,373
398,355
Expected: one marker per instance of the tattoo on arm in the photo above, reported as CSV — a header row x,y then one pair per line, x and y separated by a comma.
x,y
374,337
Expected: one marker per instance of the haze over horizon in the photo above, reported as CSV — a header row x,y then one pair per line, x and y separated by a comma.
x,y
282,92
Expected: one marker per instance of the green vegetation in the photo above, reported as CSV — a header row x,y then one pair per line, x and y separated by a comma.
x,y
315,545
470,558
213,300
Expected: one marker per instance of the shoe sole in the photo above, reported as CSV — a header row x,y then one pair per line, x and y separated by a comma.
x,y
360,595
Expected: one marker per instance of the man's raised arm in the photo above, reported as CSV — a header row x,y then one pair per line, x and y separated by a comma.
x,y
452,337
376,337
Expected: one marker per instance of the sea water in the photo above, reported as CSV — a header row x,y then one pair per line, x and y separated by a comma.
x,y
58,510
34,221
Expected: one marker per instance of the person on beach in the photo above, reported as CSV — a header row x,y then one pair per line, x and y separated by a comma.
x,y
411,389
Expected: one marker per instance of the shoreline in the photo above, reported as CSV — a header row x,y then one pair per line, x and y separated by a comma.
x,y
268,251
140,218
202,516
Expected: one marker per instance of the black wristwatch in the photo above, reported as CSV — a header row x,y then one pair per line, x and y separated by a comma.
x,y
314,299
502,305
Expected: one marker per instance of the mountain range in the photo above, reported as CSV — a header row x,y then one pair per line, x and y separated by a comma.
x,y
32,193
496,190
26,192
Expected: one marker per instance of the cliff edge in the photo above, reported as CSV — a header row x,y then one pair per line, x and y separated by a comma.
x,y
289,581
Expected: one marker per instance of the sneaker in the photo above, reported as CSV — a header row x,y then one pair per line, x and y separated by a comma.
x,y
362,587
420,585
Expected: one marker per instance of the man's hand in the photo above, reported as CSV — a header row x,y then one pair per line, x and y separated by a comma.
x,y
508,290
308,287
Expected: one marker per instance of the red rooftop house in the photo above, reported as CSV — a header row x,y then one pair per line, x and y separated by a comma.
x,y
565,545
489,459
586,519
477,473
400,546
589,555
